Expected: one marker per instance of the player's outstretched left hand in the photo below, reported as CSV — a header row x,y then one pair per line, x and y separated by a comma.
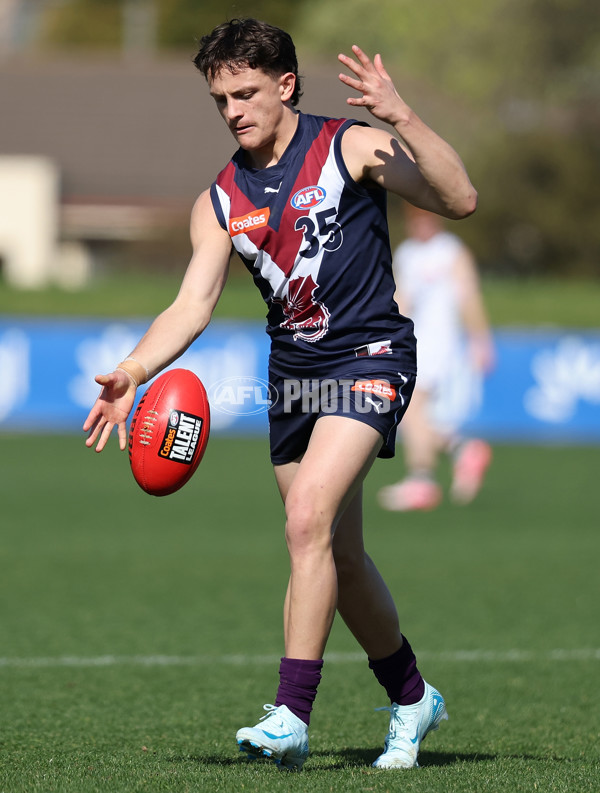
x,y
371,79
110,409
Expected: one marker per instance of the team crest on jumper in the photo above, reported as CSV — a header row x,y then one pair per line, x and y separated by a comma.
x,y
307,317
308,197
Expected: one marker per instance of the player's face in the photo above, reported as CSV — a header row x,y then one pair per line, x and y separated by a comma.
x,y
254,105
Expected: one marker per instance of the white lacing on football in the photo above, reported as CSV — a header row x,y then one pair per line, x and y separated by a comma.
x,y
150,420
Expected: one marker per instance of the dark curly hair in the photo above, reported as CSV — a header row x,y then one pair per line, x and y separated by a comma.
x,y
243,43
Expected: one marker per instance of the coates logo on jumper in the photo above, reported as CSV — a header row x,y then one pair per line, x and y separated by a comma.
x,y
308,197
253,220
379,387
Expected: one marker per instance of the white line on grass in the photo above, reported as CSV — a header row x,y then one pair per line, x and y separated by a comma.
x,y
448,656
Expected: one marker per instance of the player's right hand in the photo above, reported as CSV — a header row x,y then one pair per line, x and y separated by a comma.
x,y
371,79
110,409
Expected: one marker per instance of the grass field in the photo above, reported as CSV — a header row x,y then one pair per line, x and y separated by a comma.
x,y
510,301
139,634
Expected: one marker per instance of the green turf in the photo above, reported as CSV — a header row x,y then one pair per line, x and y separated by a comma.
x,y
510,301
137,634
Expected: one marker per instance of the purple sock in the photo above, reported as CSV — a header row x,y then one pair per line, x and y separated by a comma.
x,y
399,675
298,681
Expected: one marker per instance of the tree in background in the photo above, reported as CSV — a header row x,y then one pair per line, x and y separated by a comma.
x,y
82,24
182,22
171,24
513,84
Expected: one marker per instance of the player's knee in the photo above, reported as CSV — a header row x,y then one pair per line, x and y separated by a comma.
x,y
307,528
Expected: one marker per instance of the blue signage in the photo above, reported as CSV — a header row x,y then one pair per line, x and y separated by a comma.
x,y
545,386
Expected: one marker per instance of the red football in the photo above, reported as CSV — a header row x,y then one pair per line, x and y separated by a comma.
x,y
169,432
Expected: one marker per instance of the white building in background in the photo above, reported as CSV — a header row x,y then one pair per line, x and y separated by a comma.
x,y
29,190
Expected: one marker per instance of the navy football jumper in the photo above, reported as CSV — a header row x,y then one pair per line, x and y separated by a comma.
x,y
317,245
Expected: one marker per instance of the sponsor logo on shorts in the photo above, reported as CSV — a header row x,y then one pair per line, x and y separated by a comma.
x,y
337,396
247,396
253,220
379,406
378,387
181,437
308,197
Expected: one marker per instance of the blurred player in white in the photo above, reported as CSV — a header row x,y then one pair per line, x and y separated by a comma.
x,y
438,287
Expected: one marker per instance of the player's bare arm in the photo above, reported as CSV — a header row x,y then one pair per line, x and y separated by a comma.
x,y
419,166
172,331
473,312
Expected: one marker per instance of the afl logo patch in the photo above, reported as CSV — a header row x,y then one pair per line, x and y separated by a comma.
x,y
308,197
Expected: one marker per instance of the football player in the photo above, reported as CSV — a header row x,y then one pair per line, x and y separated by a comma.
x,y
303,203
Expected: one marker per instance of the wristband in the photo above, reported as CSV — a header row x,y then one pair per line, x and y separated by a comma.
x,y
145,368
136,371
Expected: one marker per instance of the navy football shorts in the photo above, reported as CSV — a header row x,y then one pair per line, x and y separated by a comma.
x,y
376,397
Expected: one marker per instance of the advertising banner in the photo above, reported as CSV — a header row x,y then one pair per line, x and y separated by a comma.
x,y
545,386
